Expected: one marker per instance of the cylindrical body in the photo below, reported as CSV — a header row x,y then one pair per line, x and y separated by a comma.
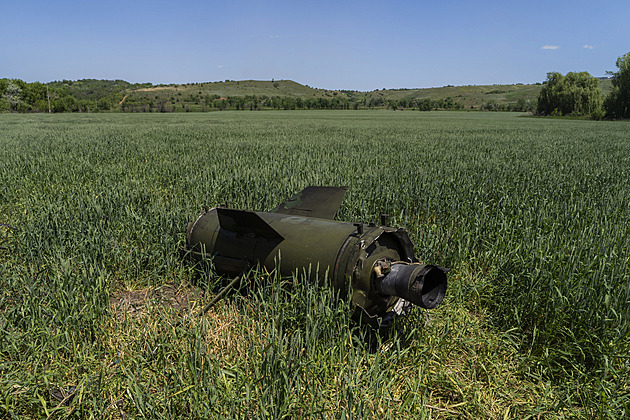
x,y
345,252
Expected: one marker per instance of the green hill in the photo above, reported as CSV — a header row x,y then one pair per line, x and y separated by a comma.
x,y
469,97
194,96
89,95
236,88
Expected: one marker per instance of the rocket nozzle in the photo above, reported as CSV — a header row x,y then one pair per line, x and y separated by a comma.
x,y
422,285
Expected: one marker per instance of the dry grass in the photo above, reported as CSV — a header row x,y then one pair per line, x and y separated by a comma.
x,y
178,300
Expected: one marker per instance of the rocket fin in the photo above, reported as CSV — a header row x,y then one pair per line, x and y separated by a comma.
x,y
321,202
246,223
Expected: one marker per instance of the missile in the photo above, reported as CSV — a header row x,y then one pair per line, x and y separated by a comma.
x,y
376,263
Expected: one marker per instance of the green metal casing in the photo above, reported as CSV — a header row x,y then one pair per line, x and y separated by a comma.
x,y
345,252
301,238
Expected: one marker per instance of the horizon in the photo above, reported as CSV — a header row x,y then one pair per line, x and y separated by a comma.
x,y
353,46
288,80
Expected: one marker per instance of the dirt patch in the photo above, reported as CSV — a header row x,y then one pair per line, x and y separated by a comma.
x,y
153,89
136,303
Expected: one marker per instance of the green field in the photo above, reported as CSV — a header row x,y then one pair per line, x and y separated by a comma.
x,y
531,215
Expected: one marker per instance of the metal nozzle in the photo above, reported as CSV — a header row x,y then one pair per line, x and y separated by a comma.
x,y
422,285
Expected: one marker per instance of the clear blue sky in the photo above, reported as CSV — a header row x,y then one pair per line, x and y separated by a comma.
x,y
362,45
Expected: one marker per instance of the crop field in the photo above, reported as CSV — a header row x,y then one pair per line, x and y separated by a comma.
x,y
98,308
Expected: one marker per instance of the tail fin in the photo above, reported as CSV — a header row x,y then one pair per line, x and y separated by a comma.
x,y
321,202
246,223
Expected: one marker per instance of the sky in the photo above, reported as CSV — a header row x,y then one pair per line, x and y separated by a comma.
x,y
343,44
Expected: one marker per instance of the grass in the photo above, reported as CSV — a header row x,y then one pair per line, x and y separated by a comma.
x,y
192,94
531,215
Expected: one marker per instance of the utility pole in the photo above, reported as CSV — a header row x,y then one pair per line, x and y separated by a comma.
x,y
48,97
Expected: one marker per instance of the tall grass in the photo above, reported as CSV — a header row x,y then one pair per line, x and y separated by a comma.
x,y
531,215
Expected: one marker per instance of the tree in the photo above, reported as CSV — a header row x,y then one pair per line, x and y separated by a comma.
x,y
3,86
104,104
573,94
618,101
13,94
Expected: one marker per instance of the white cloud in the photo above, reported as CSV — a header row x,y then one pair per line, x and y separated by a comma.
x,y
588,47
220,66
549,47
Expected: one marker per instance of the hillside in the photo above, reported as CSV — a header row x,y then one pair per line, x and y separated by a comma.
x,y
90,95
469,96
194,96
249,94
238,88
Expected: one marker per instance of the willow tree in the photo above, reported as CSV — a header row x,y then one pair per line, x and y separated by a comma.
x,y
618,101
573,94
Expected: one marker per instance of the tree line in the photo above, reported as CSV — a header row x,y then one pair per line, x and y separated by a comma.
x,y
90,95
579,94
254,102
